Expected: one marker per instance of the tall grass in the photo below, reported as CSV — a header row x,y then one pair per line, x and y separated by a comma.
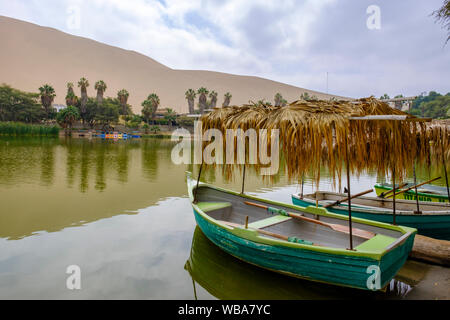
x,y
24,129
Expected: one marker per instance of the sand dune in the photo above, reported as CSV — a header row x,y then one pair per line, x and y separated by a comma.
x,y
32,55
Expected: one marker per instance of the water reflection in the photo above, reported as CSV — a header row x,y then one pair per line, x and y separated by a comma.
x,y
150,149
47,164
114,205
71,182
84,157
100,156
22,160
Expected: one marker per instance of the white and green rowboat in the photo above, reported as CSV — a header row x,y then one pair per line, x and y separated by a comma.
x,y
278,240
432,221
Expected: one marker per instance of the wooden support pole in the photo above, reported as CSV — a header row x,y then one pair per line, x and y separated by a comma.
x,y
348,190
195,291
243,175
243,180
303,181
446,179
415,188
198,181
393,178
445,167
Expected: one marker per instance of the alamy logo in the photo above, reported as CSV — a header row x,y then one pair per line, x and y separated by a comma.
x,y
74,280
374,280
74,17
229,149
373,22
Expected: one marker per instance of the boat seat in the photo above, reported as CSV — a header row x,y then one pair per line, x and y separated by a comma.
x,y
377,243
211,206
264,223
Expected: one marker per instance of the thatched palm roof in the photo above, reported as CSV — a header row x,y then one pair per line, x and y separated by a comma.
x,y
315,133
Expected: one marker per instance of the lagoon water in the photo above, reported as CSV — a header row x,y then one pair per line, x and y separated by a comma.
x,y
119,210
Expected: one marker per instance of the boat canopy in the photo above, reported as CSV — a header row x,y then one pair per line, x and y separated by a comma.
x,y
315,134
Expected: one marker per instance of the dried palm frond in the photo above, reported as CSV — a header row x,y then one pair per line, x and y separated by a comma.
x,y
317,133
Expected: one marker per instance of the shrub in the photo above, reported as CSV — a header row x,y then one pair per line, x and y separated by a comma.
x,y
155,129
186,121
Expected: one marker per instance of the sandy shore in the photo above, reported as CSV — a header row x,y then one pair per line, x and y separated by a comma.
x,y
428,282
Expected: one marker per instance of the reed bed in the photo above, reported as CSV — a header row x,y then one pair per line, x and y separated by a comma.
x,y
24,129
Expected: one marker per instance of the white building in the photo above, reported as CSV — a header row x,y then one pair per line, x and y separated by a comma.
x,y
59,107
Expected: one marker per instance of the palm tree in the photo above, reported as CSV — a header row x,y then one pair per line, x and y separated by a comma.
x,y
100,86
150,105
170,116
442,15
213,96
71,98
278,98
190,96
146,110
123,95
66,117
83,84
47,96
226,99
202,98
263,103
305,96
155,104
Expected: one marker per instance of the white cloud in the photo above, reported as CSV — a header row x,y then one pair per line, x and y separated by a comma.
x,y
290,41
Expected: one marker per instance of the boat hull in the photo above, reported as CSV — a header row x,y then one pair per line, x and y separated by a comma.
x,y
334,269
434,226
411,195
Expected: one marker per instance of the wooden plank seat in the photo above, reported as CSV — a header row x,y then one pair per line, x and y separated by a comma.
x,y
211,206
264,223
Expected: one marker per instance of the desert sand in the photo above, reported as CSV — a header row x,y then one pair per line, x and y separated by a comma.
x,y
33,55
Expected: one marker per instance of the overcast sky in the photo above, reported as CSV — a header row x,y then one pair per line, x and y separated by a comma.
x,y
399,50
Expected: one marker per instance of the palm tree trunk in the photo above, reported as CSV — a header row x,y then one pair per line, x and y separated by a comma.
x,y
226,103
202,103
100,98
191,105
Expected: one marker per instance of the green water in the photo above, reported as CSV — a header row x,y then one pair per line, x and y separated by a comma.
x,y
119,210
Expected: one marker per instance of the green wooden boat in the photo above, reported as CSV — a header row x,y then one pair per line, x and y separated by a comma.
x,y
311,251
426,192
434,220
227,278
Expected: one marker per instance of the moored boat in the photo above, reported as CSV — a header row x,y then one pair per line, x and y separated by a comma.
x,y
306,249
427,192
225,277
432,221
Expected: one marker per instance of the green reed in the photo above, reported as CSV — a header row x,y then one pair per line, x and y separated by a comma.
x,y
25,129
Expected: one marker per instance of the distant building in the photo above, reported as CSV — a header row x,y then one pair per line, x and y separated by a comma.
x,y
403,103
59,107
